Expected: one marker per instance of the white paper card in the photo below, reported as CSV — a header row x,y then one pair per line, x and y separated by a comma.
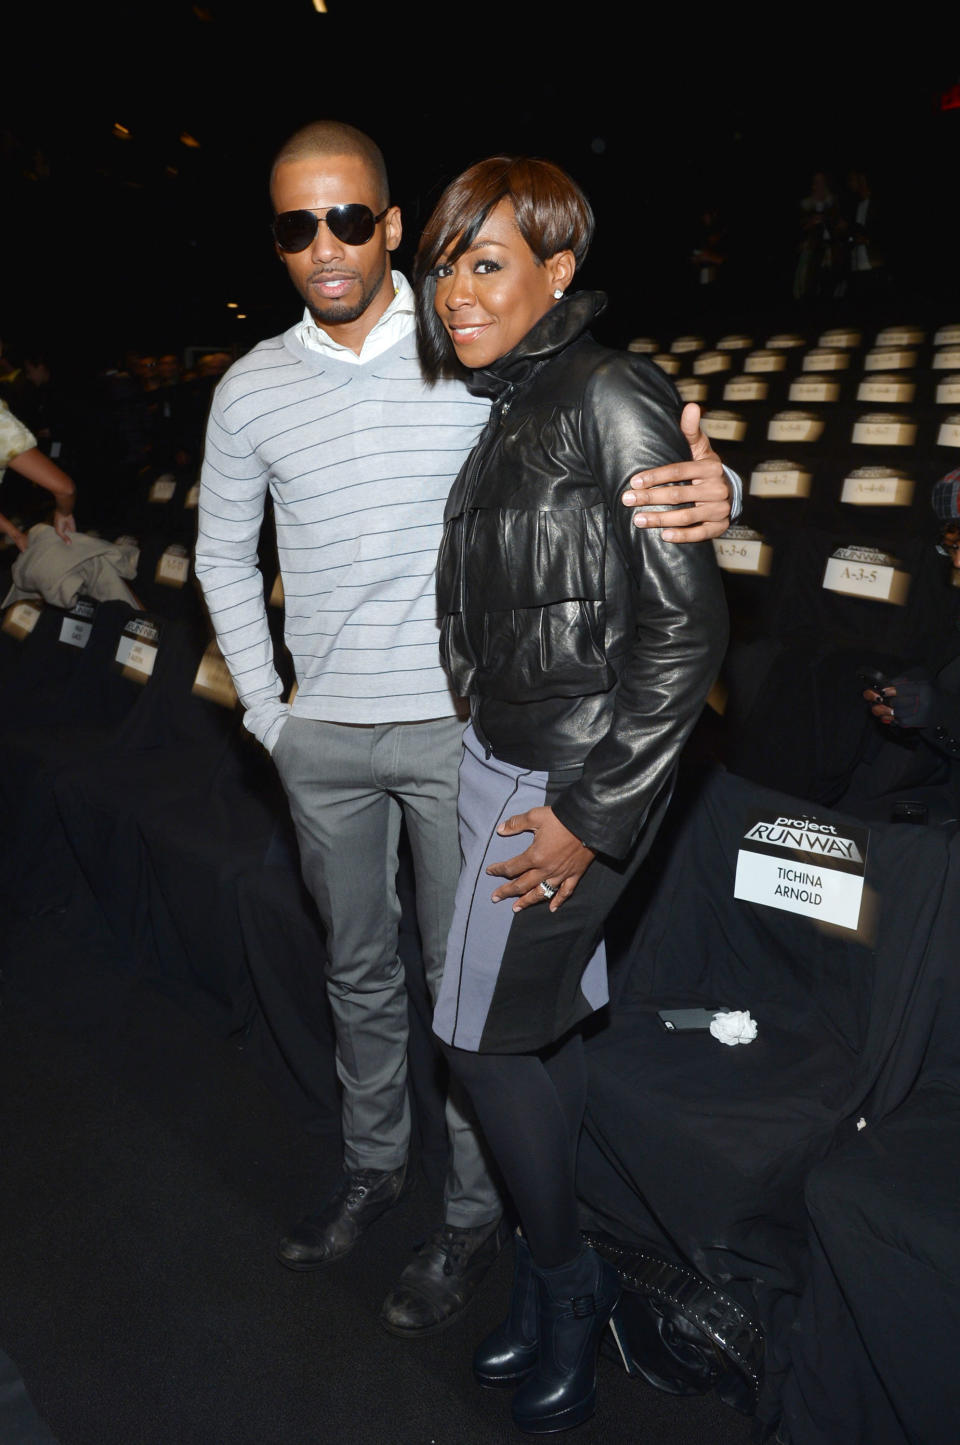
x,y
684,344
948,389
725,426
22,618
748,554
192,499
886,389
163,489
949,433
765,361
947,336
900,336
746,388
826,360
877,490
879,582
173,568
884,431
794,427
710,361
800,865
947,360
814,388
781,480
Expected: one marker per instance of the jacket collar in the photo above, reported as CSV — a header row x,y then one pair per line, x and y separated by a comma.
x,y
561,325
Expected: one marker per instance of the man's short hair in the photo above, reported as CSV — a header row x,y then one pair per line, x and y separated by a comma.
x,y
335,138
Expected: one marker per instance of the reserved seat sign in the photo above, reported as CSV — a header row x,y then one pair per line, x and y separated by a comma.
x,y
800,865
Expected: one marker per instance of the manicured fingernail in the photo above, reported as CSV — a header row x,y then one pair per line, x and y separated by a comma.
x,y
639,520
629,498
669,536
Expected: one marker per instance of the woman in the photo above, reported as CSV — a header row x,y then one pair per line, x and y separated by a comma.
x,y
586,648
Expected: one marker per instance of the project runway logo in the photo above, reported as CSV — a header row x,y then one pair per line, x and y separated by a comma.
x,y
802,865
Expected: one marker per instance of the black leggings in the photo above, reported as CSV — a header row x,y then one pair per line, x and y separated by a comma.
x,y
530,1107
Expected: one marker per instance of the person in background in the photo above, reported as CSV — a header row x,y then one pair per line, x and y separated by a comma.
x,y
19,450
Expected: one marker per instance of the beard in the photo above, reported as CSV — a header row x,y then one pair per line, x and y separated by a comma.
x,y
335,312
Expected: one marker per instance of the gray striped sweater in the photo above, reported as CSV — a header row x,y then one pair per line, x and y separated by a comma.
x,y
359,460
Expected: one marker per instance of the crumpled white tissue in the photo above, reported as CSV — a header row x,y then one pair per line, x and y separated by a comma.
x,y
734,1028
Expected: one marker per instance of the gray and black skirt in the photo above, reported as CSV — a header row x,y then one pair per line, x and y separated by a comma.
x,y
516,982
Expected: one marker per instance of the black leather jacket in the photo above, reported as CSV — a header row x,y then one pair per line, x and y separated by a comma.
x,y
578,637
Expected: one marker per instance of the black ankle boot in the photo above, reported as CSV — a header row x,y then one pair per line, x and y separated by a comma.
x,y
509,1354
574,1305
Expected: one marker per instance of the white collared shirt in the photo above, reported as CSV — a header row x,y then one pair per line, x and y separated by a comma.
x,y
395,323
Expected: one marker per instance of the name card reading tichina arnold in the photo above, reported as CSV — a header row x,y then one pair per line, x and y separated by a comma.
x,y
889,358
643,345
949,433
740,549
76,627
22,618
724,426
865,572
745,388
735,342
900,336
192,500
814,388
946,359
948,390
779,479
691,388
801,865
137,650
884,429
886,388
877,487
795,426
840,338
213,680
163,488
173,567
684,344
765,361
947,336
710,361
825,359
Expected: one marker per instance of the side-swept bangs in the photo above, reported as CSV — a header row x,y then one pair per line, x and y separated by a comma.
x,y
552,215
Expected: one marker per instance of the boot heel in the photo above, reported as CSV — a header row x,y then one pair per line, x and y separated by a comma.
x,y
621,1341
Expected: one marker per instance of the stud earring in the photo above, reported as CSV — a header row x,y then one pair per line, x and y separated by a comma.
x,y
557,294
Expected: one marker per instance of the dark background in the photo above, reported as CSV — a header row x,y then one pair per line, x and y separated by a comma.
x,y
111,243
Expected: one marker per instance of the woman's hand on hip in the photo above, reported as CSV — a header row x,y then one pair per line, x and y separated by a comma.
x,y
555,858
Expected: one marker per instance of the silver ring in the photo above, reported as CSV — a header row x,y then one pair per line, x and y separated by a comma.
x,y
548,890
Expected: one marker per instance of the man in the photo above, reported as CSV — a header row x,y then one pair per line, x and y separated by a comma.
x,y
359,455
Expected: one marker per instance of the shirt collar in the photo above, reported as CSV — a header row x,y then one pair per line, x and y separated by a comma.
x,y
397,321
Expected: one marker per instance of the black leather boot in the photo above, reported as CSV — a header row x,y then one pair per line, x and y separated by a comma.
x,y
574,1305
509,1353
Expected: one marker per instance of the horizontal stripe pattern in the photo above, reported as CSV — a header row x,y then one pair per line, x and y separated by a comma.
x,y
358,461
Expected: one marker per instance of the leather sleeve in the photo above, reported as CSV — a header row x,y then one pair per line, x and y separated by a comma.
x,y
630,422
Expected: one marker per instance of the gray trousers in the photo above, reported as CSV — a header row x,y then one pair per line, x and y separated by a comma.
x,y
348,788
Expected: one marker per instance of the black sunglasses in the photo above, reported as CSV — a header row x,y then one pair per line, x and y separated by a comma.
x,y
353,224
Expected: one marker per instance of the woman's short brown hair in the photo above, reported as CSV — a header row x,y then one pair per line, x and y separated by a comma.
x,y
552,215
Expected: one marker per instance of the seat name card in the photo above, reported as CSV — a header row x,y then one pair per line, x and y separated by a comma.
x,y
710,361
213,680
735,343
163,488
740,549
886,389
746,388
947,360
765,361
795,426
724,425
691,388
885,429
826,360
643,345
949,433
670,364
840,339
801,865
814,388
684,344
137,649
173,568
192,500
22,618
948,389
76,627
889,358
877,487
779,479
947,336
865,572
900,336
